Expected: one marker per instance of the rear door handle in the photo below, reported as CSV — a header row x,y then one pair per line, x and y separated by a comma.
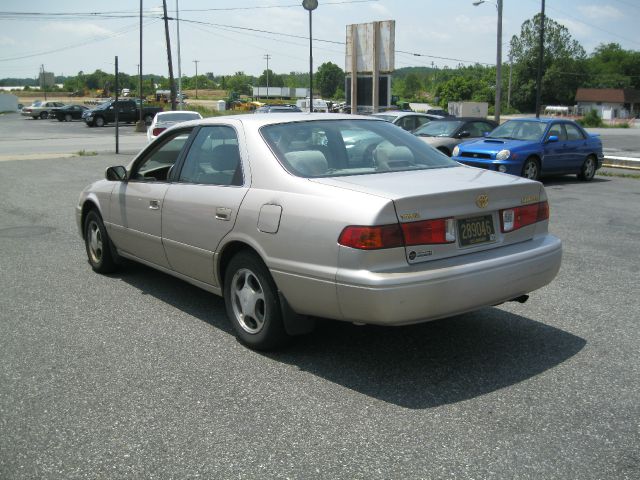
x,y
154,204
223,213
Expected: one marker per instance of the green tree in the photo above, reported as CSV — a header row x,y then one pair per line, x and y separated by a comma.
x,y
610,66
239,83
329,78
275,80
564,64
412,85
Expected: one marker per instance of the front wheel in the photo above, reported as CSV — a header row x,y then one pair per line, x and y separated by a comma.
x,y
98,244
531,169
148,119
67,117
44,115
99,122
588,170
252,304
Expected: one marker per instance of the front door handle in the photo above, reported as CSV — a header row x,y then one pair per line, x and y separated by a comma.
x,y
223,213
154,204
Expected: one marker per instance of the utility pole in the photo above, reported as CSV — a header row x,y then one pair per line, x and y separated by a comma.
x,y
510,72
267,57
172,83
196,62
140,127
179,62
117,106
498,101
540,60
43,82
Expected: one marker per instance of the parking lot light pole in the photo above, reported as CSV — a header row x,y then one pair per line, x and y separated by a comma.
x,y
498,99
310,5
196,62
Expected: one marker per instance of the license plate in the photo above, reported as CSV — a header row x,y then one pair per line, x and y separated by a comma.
x,y
476,230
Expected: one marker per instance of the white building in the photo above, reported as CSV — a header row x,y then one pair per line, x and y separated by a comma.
x,y
610,103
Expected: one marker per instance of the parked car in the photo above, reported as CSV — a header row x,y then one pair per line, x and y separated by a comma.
x,y
128,111
446,133
277,109
164,120
409,121
269,212
533,148
68,113
41,110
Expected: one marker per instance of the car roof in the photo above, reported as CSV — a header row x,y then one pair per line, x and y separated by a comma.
x,y
257,120
463,119
541,120
403,113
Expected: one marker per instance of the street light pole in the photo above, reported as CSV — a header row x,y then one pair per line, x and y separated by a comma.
x,y
310,5
498,100
179,61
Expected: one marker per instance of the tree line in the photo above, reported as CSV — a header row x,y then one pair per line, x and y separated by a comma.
x,y
567,67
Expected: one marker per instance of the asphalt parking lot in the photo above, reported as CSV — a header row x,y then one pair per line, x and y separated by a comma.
x,y
137,374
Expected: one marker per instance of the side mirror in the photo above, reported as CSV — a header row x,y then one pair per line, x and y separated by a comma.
x,y
464,134
116,174
552,138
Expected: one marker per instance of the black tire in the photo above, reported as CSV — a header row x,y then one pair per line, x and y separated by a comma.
x,y
148,119
60,119
44,115
99,122
98,244
588,169
68,117
531,169
251,300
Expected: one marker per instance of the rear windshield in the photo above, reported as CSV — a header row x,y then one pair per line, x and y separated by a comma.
x,y
328,148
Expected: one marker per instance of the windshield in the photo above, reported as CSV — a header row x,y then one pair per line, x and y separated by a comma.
x,y
438,129
329,148
519,130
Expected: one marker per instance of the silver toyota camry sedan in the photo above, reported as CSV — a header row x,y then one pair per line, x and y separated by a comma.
x,y
299,216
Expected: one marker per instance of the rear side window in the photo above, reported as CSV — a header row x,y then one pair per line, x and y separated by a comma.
x,y
573,133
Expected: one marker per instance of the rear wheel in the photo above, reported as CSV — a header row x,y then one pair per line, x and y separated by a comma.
x,y
531,169
588,170
252,304
98,244
44,115
67,117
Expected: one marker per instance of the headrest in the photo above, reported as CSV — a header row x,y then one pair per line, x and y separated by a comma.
x,y
225,157
310,163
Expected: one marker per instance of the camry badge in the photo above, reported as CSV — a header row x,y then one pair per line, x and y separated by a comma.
x,y
482,201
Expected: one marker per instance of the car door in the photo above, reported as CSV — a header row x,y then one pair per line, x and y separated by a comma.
x,y
201,205
577,149
555,153
135,212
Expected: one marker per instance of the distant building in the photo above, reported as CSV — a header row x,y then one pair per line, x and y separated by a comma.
x,y
610,103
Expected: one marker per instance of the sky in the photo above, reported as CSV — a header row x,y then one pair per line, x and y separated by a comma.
x,y
227,36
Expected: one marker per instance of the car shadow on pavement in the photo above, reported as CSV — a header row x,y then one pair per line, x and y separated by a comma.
x,y
570,180
435,363
417,367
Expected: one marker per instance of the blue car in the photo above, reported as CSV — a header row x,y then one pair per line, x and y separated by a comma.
x,y
533,147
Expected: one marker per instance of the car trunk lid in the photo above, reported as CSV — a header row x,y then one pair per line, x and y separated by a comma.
x,y
468,199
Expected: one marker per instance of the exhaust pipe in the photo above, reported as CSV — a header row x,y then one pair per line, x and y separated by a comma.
x,y
520,299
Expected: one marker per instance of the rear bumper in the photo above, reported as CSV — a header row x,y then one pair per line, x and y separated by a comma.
x,y
448,287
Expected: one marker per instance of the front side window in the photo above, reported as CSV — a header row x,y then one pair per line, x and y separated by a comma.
x,y
557,130
327,148
156,165
213,158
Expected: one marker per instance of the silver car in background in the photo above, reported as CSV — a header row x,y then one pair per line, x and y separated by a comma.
x,y
277,215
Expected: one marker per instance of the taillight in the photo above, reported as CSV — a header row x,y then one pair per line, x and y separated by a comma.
x,y
440,230
158,131
372,238
514,218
